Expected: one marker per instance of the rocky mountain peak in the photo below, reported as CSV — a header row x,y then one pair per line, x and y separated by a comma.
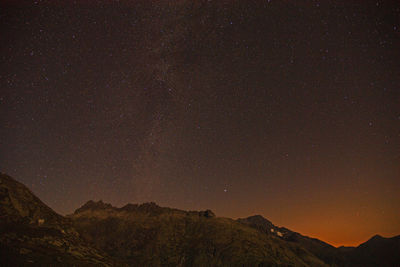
x,y
94,205
376,238
258,219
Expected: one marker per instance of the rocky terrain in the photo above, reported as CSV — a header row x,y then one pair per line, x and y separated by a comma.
x,y
154,236
98,234
322,250
32,234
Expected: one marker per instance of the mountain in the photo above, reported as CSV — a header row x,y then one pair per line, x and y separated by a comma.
x,y
98,234
322,250
377,251
150,235
32,234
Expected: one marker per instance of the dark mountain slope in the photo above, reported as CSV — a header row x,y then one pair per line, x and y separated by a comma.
x,y
152,236
32,234
377,251
322,250
20,205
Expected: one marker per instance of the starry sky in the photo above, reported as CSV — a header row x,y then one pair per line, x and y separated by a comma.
x,y
288,109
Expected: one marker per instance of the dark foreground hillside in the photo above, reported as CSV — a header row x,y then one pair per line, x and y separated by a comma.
x,y
32,234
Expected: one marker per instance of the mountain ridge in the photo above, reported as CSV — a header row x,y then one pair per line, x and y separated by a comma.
x,y
182,237
100,234
322,250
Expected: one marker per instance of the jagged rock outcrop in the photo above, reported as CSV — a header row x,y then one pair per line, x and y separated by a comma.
x,y
93,205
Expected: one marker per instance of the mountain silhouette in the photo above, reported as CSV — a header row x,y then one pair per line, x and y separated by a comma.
x,y
98,234
377,251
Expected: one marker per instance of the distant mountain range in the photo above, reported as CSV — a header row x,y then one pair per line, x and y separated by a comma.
x,y
98,234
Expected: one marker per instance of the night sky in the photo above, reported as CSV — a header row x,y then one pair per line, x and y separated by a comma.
x,y
288,109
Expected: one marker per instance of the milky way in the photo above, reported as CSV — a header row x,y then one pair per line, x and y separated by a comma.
x,y
289,110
